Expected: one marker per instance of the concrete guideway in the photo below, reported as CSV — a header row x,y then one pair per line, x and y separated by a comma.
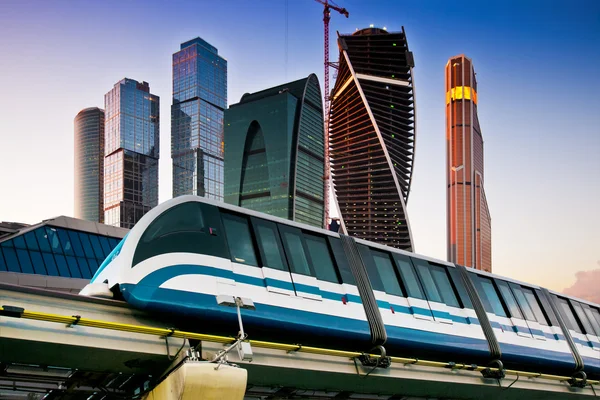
x,y
91,345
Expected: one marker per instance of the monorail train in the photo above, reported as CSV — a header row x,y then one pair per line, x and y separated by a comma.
x,y
315,287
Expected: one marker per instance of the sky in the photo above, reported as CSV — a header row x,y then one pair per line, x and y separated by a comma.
x,y
537,65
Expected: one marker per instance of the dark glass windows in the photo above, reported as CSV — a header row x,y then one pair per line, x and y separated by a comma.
x,y
535,307
582,317
493,304
444,286
25,261
239,239
409,277
567,312
341,260
10,256
183,228
523,303
385,269
321,258
292,242
424,272
269,244
508,297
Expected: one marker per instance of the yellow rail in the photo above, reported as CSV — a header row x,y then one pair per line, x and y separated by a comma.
x,y
162,332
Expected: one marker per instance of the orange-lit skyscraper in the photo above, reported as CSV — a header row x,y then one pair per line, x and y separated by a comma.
x,y
469,222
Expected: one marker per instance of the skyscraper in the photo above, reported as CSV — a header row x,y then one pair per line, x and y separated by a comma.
x,y
274,152
131,152
89,164
199,98
372,135
469,223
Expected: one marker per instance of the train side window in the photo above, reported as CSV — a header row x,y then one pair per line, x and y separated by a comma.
x,y
535,306
294,247
321,257
546,308
444,286
367,258
509,299
594,316
492,296
183,228
459,285
567,312
409,277
587,326
424,273
269,244
523,303
386,272
239,239
341,260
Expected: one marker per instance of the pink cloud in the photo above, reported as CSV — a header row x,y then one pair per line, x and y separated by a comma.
x,y
587,286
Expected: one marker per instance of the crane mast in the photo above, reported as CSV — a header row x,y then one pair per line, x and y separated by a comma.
x,y
326,17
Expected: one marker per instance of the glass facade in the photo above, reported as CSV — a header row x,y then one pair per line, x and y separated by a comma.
x,y
132,152
56,251
199,98
469,221
274,152
89,165
372,129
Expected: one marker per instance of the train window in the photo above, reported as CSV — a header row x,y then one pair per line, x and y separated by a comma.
x,y
239,239
321,257
269,244
523,303
341,260
593,316
459,285
409,277
189,227
492,296
424,272
587,326
444,286
385,269
295,250
509,299
546,308
535,306
567,312
367,258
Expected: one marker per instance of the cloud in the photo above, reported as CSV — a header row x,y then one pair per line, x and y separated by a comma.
x,y
587,286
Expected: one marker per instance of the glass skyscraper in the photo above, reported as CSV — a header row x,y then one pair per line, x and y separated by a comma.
x,y
131,152
274,152
199,99
469,222
372,130
89,164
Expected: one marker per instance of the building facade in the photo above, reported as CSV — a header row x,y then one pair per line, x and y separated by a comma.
x,y
199,99
89,164
274,152
60,253
131,152
468,218
372,128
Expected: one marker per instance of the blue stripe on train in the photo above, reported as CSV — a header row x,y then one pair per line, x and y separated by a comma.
x,y
160,276
204,306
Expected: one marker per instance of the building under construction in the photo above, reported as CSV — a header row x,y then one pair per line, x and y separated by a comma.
x,y
372,128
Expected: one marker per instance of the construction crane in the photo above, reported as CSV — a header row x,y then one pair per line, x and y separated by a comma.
x,y
328,6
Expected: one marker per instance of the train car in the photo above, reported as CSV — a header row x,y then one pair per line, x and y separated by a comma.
x,y
316,287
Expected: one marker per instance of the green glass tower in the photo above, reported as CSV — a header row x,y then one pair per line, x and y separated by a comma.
x,y
274,152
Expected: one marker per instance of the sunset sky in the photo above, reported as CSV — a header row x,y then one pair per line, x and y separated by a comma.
x,y
538,72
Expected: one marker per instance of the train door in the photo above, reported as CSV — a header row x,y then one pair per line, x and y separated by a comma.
x,y
415,294
589,330
274,266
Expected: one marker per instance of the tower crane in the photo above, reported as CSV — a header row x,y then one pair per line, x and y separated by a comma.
x,y
328,6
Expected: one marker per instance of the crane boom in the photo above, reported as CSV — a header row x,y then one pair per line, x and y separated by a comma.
x,y
326,17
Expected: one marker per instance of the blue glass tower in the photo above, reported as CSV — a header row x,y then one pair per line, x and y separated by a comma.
x,y
199,99
131,152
